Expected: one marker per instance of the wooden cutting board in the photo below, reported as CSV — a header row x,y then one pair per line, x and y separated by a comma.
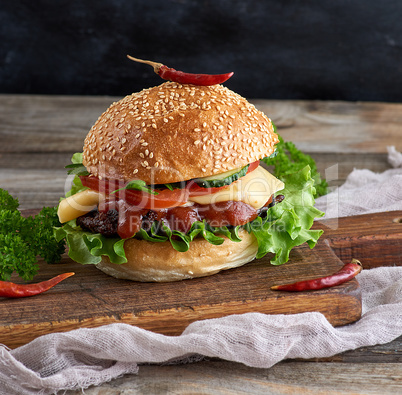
x,y
91,298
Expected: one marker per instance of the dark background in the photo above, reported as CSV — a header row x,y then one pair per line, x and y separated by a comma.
x,y
340,50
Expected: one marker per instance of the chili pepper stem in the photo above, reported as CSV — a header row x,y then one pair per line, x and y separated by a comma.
x,y
357,262
173,75
155,65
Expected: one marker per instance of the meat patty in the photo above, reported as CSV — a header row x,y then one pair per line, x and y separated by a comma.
x,y
178,218
99,222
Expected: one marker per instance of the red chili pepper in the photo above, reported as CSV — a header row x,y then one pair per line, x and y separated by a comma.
x,y
347,272
11,290
184,78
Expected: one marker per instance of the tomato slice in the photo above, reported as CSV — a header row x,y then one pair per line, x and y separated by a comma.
x,y
164,199
195,190
105,186
253,166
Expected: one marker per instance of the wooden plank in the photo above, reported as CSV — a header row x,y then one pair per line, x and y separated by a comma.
x,y
35,188
223,377
381,353
336,126
40,123
335,167
376,239
91,298
34,123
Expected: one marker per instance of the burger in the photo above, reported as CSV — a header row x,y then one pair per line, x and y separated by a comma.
x,y
171,185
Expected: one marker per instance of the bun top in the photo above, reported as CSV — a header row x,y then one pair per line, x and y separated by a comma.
x,y
175,132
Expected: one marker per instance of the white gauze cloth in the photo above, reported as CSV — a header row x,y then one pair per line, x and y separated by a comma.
x,y
84,357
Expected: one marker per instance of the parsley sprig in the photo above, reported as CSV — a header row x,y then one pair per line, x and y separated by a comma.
x,y
23,240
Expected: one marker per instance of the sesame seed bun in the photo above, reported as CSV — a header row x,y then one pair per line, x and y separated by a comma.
x,y
159,262
174,132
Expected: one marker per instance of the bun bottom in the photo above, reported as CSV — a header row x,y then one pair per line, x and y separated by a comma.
x,y
160,262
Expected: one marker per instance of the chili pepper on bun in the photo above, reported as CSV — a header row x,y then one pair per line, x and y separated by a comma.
x,y
172,184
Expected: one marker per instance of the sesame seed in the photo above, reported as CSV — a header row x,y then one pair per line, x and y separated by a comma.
x,y
135,171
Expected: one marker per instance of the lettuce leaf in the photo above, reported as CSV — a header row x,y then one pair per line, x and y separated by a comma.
x,y
288,223
288,159
76,185
285,225
88,248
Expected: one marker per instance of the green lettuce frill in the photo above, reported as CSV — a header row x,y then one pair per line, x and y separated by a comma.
x,y
284,226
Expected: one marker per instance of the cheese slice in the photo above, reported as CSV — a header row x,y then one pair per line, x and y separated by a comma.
x,y
254,188
79,204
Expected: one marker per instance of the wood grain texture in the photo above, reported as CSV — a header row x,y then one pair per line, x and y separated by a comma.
x,y
376,239
91,298
47,123
337,126
35,123
214,377
38,135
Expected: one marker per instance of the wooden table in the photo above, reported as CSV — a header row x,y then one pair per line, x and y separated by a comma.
x,y
38,135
